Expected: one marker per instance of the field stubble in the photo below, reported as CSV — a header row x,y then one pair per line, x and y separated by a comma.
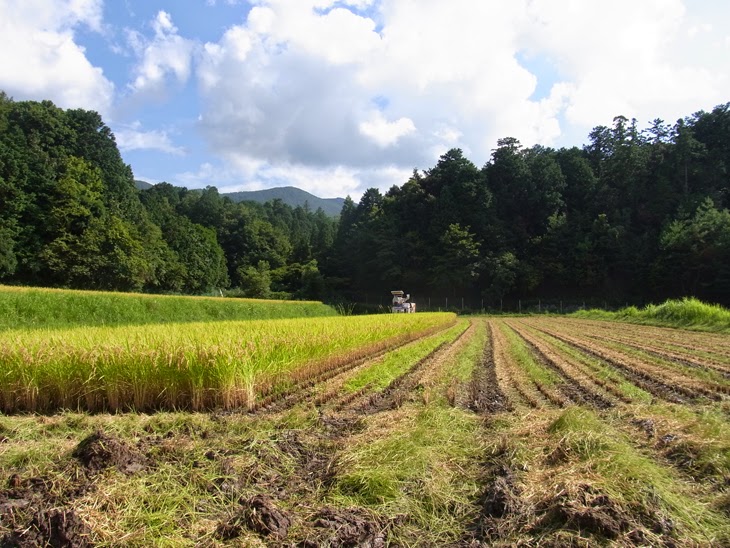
x,y
529,431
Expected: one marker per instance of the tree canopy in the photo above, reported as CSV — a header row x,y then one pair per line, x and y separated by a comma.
x,y
633,214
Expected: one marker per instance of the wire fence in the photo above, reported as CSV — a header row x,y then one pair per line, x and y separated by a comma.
x,y
467,305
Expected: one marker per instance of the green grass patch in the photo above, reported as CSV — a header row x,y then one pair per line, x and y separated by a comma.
x,y
424,465
521,353
687,313
602,371
396,363
36,308
703,374
632,478
698,438
462,368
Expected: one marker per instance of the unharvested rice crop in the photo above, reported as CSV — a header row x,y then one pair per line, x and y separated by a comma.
x,y
185,366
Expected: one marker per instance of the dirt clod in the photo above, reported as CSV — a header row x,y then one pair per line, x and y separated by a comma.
x,y
585,509
501,497
647,425
100,451
56,528
351,528
258,514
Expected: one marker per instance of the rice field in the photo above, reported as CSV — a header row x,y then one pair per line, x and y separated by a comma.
x,y
390,430
192,366
42,308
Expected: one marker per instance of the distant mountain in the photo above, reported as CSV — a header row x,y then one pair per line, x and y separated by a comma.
x,y
291,196
142,185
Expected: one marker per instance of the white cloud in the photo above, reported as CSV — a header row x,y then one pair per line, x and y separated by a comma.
x,y
40,59
386,133
326,182
640,59
132,139
337,95
165,55
295,85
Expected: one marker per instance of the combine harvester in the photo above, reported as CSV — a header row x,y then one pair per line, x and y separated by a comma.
x,y
401,304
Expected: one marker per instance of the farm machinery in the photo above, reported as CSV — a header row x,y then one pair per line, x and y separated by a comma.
x,y
401,304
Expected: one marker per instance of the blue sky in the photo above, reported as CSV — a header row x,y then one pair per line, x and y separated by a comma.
x,y
335,96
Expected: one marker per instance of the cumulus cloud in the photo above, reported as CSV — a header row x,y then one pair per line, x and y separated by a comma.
x,y
639,59
132,138
296,83
386,133
164,56
314,84
40,59
337,95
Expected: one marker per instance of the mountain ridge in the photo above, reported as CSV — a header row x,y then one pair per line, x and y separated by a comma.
x,y
290,195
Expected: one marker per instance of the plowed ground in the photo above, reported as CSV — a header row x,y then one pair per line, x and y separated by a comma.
x,y
532,431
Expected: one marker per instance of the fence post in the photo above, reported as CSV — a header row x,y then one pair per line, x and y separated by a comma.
x,y
462,304
447,303
519,304
561,307
539,306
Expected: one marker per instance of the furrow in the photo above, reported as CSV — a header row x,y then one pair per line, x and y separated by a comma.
x,y
510,377
643,379
485,394
578,386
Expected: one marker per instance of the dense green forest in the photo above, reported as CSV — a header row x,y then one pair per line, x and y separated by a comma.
x,y
634,215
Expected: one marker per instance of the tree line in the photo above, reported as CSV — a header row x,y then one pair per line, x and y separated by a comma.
x,y
635,214
71,216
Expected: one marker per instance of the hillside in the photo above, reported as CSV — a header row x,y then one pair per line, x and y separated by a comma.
x,y
291,196
142,185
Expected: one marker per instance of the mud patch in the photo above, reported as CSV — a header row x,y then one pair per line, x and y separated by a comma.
x,y
350,528
485,396
502,508
99,451
258,514
502,496
585,509
56,527
316,463
646,425
338,425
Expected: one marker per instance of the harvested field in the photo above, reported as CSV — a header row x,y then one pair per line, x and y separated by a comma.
x,y
531,431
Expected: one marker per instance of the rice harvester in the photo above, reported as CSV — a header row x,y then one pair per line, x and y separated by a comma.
x,y
401,304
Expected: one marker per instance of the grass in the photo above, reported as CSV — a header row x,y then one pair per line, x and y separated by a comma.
x,y
707,375
454,379
399,361
39,308
429,473
521,354
696,440
600,370
633,478
687,313
421,462
577,480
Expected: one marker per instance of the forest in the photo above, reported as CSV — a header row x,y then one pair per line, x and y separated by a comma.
x,y
634,215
